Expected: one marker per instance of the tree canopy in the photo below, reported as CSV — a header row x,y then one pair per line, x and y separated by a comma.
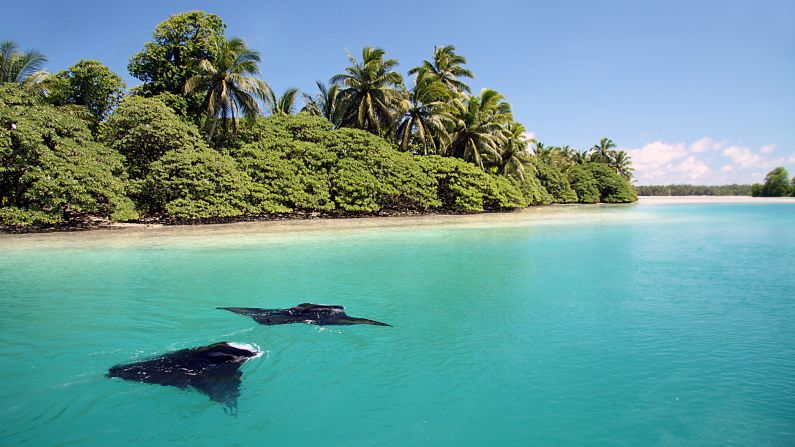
x,y
370,91
777,184
228,85
51,169
192,141
143,130
89,84
178,46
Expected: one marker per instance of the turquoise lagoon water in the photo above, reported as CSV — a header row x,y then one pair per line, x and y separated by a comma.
x,y
649,324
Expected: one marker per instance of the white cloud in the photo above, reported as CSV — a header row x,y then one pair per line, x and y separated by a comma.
x,y
693,168
660,162
706,144
742,156
658,153
704,161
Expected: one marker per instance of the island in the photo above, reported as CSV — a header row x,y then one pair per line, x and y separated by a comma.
x,y
204,139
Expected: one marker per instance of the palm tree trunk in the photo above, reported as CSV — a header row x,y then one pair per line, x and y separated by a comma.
x,y
212,129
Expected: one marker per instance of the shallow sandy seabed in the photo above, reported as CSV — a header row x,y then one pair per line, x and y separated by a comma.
x,y
242,233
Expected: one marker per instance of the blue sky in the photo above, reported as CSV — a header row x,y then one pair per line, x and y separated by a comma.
x,y
698,92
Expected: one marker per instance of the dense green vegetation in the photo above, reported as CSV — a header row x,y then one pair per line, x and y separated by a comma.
x,y
693,190
89,84
51,169
192,141
777,184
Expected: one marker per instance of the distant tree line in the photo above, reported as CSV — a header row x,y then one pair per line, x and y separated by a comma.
x,y
203,137
693,190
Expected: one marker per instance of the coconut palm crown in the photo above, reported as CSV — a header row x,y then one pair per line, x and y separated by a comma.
x,y
232,90
371,92
282,105
426,115
325,103
601,152
22,68
447,67
622,163
478,131
514,154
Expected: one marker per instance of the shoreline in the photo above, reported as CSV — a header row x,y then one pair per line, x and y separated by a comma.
x,y
292,220
156,235
554,214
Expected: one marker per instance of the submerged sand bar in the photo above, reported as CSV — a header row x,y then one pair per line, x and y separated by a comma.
x,y
154,236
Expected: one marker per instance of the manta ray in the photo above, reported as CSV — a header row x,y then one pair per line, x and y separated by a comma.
x,y
212,370
308,313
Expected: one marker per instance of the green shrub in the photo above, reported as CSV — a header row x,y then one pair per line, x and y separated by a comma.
x,y
198,184
612,187
300,163
402,183
20,217
555,182
50,165
290,175
143,129
300,127
584,184
462,186
354,187
177,103
533,191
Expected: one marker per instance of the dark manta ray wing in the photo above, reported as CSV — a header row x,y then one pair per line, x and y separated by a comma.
x,y
221,385
212,370
348,320
169,370
251,311
320,314
276,318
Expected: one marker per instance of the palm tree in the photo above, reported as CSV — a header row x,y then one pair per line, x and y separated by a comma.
x,y
426,115
371,91
18,67
283,105
622,163
478,129
542,152
580,157
568,152
601,152
325,103
514,153
231,89
447,67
